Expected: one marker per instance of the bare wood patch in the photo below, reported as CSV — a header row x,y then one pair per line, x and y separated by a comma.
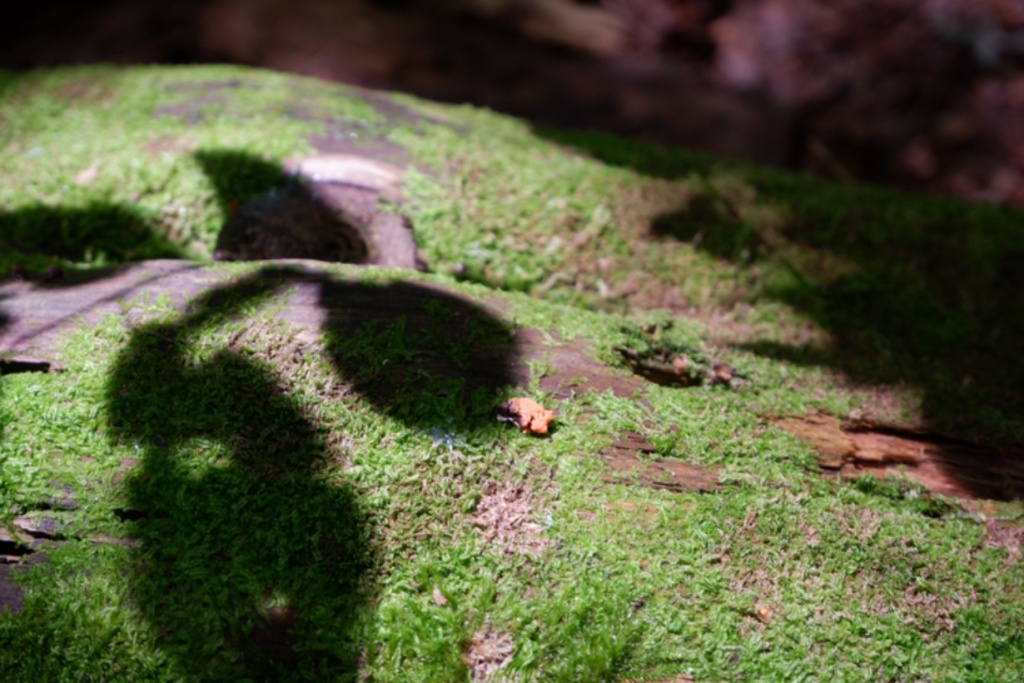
x,y
947,466
573,370
39,317
627,459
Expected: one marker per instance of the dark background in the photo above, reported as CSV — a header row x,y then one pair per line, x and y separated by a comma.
x,y
918,94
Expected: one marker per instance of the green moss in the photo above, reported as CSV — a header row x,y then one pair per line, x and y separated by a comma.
x,y
142,153
326,487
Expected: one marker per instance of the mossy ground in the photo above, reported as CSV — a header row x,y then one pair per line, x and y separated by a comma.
x,y
239,490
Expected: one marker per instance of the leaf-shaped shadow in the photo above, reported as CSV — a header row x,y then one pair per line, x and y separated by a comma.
x,y
254,564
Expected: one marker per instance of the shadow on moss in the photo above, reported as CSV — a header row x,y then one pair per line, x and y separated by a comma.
x,y
240,176
244,566
253,561
97,232
919,292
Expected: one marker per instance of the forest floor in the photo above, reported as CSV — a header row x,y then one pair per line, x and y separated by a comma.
x,y
787,424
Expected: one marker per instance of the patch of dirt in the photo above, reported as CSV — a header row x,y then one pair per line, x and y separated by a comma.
x,y
947,466
1009,537
627,459
487,651
503,517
